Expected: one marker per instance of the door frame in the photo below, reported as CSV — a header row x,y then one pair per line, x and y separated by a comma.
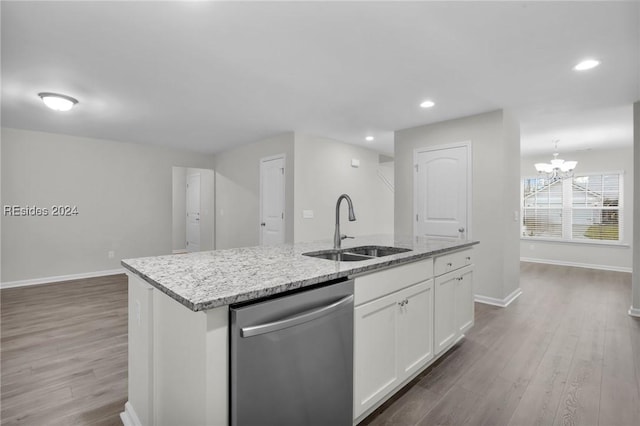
x,y
282,156
416,151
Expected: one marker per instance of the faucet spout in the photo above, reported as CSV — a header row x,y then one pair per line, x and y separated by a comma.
x,y
337,238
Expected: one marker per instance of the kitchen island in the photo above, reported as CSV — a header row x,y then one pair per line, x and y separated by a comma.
x,y
179,318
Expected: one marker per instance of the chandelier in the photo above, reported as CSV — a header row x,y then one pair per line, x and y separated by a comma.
x,y
558,168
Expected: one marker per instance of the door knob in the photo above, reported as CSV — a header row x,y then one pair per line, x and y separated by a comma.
x,y
461,229
263,224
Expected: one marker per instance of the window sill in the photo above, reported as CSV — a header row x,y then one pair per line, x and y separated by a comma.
x,y
577,242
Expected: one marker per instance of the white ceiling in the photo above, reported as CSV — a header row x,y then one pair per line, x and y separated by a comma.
x,y
206,76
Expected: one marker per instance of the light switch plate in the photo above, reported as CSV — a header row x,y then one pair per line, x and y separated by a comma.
x,y
355,162
307,214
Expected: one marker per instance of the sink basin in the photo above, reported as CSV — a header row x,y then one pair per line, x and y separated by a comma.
x,y
355,254
376,251
338,255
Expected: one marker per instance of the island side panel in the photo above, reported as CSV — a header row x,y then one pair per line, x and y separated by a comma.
x,y
217,397
139,408
190,364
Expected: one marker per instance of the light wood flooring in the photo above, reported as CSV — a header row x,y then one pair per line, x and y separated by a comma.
x,y
63,352
564,353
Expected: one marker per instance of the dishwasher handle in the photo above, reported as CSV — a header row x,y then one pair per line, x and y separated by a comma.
x,y
296,320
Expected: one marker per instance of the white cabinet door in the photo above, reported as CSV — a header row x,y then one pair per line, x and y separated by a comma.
x,y
464,299
393,339
445,330
415,335
375,355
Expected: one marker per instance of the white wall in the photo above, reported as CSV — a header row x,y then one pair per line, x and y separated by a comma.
x,y
495,144
238,191
323,173
589,255
123,193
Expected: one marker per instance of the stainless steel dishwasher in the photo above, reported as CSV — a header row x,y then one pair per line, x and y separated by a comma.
x,y
292,359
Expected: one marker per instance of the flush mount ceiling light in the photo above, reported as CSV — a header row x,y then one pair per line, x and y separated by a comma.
x,y
587,64
558,168
57,102
427,104
369,138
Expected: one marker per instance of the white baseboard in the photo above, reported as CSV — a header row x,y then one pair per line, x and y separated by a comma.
x,y
46,280
503,303
578,265
129,417
634,312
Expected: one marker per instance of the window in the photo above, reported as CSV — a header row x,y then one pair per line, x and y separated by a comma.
x,y
583,208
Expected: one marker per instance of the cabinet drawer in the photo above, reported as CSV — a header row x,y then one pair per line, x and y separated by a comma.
x,y
452,261
378,284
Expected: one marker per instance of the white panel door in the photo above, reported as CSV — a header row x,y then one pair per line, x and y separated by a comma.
x,y
193,212
272,201
441,192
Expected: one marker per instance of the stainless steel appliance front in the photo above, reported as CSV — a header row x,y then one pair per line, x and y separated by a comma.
x,y
292,359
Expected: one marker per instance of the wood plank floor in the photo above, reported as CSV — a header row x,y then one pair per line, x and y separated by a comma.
x,y
63,352
564,353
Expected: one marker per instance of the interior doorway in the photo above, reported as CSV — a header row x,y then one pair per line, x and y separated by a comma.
x,y
193,205
193,211
272,202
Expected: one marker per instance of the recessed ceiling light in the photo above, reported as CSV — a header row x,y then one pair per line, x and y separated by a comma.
x,y
587,64
369,138
58,102
427,104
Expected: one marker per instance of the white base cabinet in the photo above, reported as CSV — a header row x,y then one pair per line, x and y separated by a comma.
x,y
394,341
454,309
404,320
464,305
393,328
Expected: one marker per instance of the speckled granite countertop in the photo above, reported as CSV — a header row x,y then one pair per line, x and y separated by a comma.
x,y
205,280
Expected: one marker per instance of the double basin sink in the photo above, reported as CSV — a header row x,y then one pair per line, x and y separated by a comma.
x,y
355,254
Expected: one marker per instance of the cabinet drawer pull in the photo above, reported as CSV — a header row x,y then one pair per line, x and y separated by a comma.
x,y
449,265
468,257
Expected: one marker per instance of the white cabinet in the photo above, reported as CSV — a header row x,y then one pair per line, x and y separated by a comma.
x,y
464,300
375,351
454,309
393,331
445,317
415,335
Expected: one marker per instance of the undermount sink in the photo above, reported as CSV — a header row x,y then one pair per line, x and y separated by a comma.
x,y
355,254
376,251
338,255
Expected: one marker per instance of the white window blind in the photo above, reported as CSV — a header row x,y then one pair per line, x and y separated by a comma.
x,y
542,208
582,208
595,207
